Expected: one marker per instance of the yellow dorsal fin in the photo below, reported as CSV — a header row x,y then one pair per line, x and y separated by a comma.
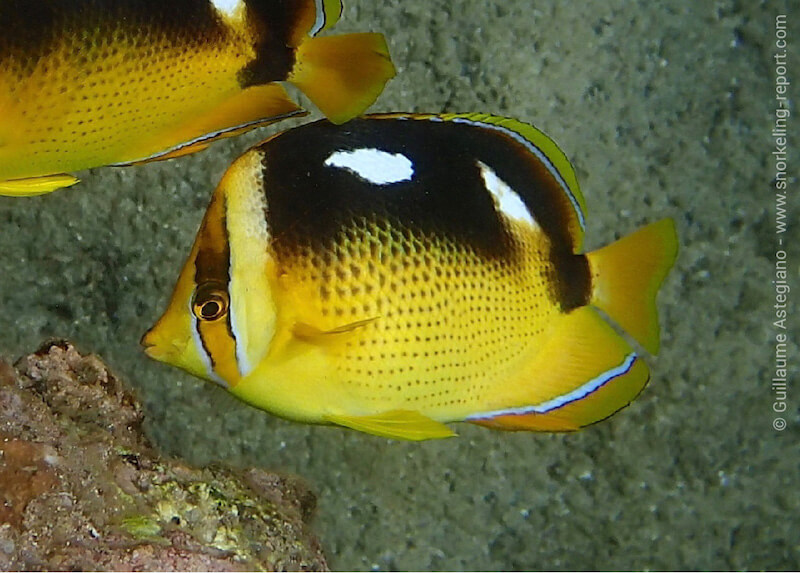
x,y
36,185
538,143
395,424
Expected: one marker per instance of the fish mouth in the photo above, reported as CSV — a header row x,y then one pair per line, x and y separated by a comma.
x,y
149,345
158,348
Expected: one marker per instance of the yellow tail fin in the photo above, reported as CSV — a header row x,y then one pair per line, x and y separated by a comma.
x,y
343,75
627,275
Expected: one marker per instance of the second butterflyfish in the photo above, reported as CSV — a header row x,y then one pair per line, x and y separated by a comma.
x,y
87,83
402,272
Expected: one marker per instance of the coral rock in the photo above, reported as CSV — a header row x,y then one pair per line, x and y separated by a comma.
x,y
82,489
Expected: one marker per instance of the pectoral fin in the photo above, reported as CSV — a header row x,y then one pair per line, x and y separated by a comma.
x,y
314,335
36,185
396,424
302,338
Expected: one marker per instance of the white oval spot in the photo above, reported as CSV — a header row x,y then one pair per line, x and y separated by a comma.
x,y
373,165
506,199
225,6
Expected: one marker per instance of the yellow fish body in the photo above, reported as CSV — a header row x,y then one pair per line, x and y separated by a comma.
x,y
87,83
404,271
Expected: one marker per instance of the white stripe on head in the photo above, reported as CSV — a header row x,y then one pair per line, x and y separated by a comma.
x,y
251,313
373,165
239,331
507,201
578,393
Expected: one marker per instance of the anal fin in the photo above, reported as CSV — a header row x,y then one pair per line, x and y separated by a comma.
x,y
585,373
33,186
253,107
177,152
395,424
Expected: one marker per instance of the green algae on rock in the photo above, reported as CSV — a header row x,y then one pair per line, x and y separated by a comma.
x,y
83,488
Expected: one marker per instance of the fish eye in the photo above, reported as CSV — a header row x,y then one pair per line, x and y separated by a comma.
x,y
210,301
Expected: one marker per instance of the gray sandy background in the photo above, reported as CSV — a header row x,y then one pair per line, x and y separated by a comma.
x,y
665,109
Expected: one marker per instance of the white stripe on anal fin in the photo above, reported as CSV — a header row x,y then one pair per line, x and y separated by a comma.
x,y
559,401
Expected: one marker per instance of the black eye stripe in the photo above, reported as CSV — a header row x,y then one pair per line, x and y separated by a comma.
x,y
212,273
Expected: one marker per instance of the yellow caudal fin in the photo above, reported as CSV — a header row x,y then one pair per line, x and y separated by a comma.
x,y
36,185
397,424
627,275
584,373
343,75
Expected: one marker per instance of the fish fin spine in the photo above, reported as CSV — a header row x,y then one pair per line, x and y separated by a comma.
x,y
584,374
627,274
342,75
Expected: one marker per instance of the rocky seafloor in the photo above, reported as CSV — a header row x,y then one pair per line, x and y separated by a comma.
x,y
81,488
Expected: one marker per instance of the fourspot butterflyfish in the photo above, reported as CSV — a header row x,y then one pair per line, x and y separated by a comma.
x,y
405,271
87,83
